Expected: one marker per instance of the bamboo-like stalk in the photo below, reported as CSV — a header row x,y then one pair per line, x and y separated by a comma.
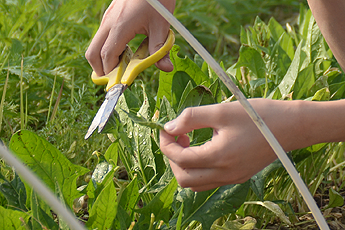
x,y
41,189
248,108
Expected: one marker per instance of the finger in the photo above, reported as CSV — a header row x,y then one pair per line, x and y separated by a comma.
x,y
93,53
206,187
193,118
157,38
188,157
201,179
183,140
113,47
193,177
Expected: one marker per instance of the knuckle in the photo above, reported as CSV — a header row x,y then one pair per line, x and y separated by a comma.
x,y
89,55
182,182
105,54
186,115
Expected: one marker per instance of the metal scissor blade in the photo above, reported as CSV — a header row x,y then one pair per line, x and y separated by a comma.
x,y
112,97
96,120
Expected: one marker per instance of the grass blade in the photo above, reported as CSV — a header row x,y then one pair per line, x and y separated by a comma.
x,y
22,119
57,102
51,99
3,97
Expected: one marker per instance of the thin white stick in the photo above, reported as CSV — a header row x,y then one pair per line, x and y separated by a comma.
x,y
249,109
41,189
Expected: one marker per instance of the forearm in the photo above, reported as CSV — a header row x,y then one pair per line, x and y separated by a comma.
x,y
330,17
322,121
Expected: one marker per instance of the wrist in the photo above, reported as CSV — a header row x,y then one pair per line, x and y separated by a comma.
x,y
322,121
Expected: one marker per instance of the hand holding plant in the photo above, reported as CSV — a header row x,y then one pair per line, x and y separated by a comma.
x,y
238,150
120,23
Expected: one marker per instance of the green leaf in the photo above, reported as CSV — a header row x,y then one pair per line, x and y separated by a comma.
x,y
322,95
103,211
101,172
189,87
200,95
304,82
208,206
111,154
47,162
337,90
14,192
251,58
166,112
130,196
58,192
277,31
40,217
257,182
320,83
160,205
172,84
274,208
127,202
335,199
11,219
216,90
179,218
144,122
290,77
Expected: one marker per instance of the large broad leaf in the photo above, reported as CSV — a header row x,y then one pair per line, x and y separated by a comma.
x,y
208,206
14,192
11,219
103,211
172,84
47,162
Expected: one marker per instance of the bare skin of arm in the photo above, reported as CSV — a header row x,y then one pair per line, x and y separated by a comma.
x,y
238,150
330,17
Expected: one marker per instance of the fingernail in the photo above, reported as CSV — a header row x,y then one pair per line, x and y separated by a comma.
x,y
170,126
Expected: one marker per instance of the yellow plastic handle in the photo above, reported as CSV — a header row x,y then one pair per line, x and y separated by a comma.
x,y
130,65
114,77
141,59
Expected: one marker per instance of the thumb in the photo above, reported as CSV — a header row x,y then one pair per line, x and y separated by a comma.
x,y
190,119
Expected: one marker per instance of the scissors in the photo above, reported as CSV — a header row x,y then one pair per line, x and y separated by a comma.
x,y
123,75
